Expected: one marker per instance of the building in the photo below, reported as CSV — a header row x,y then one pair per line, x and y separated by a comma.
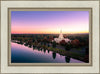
x,y
60,38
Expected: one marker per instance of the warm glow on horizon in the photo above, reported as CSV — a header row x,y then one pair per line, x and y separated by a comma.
x,y
48,32
49,22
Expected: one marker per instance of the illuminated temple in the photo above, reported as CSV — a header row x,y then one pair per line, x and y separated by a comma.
x,y
60,38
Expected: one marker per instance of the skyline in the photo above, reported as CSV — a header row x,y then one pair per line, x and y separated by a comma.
x,y
49,22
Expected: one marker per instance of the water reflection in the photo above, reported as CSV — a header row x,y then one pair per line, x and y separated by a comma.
x,y
54,55
30,46
48,51
67,59
44,50
24,54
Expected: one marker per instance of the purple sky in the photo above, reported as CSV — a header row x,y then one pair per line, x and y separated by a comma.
x,y
49,22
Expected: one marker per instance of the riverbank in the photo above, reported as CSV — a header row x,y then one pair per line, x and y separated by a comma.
x,y
77,56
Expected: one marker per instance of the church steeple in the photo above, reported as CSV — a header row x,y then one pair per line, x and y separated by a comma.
x,y
60,38
61,35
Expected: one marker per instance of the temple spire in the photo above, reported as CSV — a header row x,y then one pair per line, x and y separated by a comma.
x,y
61,35
61,31
60,38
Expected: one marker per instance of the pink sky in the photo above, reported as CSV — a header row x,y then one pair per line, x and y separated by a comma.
x,y
49,22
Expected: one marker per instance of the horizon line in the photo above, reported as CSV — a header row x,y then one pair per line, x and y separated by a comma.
x,y
48,33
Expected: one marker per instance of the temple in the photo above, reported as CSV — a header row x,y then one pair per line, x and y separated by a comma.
x,y
60,38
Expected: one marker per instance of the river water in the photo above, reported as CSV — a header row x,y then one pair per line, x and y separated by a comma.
x,y
24,54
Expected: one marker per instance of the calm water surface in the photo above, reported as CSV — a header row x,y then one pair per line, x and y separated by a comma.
x,y
24,54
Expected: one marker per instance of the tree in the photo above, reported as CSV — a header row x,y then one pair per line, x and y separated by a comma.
x,y
68,46
87,51
75,43
48,45
62,42
54,44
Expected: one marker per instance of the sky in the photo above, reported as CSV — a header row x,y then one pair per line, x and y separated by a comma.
x,y
49,22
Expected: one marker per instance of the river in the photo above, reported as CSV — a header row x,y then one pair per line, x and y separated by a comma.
x,y
24,54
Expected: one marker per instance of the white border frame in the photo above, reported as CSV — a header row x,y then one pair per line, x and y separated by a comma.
x,y
46,4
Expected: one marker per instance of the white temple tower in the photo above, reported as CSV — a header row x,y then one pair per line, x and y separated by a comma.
x,y
61,35
60,38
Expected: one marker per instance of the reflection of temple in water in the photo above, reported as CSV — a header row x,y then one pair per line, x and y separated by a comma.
x,y
60,38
